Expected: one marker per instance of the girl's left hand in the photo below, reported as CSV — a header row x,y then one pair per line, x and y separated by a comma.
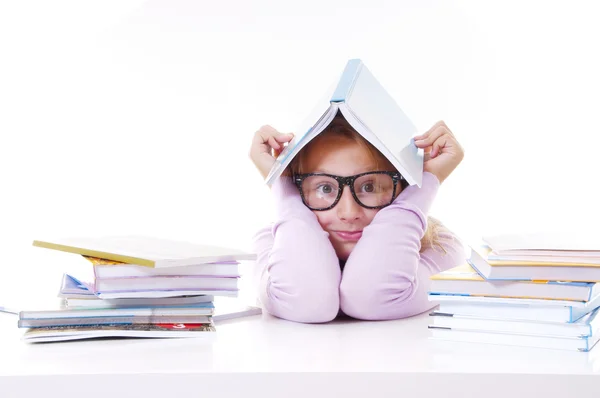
x,y
442,152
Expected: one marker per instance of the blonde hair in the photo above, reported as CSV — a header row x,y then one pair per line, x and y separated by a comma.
x,y
340,128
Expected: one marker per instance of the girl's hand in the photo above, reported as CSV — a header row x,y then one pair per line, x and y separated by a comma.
x,y
442,152
266,146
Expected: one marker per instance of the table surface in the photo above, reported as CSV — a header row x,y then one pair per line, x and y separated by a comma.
x,y
263,349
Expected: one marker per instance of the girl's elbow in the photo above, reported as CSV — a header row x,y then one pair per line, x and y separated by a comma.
x,y
358,302
321,308
308,306
373,304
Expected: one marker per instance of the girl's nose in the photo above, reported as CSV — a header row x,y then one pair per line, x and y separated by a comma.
x,y
347,208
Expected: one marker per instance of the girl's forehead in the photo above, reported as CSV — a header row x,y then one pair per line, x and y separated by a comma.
x,y
340,157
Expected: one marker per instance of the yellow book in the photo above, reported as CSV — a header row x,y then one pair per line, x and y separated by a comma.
x,y
104,261
463,272
464,280
146,251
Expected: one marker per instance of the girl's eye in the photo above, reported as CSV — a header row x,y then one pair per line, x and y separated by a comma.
x,y
368,188
325,189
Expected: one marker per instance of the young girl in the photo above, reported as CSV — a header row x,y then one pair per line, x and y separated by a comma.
x,y
350,235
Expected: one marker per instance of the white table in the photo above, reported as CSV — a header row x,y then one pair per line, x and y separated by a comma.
x,y
262,356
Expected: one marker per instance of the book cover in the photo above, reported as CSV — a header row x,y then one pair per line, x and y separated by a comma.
x,y
586,326
160,293
180,310
556,261
372,112
145,251
104,268
553,242
165,283
113,320
531,270
64,333
583,344
95,302
466,280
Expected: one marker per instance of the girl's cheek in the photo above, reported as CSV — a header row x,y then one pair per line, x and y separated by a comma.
x,y
322,218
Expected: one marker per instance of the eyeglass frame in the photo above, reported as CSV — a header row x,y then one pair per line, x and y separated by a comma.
x,y
349,181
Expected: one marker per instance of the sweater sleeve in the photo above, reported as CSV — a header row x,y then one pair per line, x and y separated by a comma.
x,y
386,275
297,270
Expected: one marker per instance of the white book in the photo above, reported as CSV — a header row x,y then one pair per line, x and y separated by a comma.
x,y
95,302
146,251
586,326
164,283
107,269
73,288
372,112
560,343
160,293
533,269
119,320
568,244
65,333
229,308
583,305
465,280
515,309
545,257
189,310
9,310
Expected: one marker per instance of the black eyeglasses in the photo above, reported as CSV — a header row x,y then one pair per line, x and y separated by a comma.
x,y
372,190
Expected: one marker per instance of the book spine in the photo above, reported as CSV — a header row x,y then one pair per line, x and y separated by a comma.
x,y
346,83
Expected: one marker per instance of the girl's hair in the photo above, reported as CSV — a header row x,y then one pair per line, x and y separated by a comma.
x,y
340,128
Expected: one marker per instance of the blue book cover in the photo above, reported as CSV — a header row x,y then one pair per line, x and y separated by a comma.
x,y
371,111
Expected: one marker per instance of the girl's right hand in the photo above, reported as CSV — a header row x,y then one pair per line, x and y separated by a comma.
x,y
266,146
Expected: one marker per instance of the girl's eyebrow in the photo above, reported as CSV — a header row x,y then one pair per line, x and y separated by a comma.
x,y
356,171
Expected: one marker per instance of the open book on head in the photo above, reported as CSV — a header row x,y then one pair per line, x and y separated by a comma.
x,y
372,112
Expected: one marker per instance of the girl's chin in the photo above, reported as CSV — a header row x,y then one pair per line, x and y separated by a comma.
x,y
343,250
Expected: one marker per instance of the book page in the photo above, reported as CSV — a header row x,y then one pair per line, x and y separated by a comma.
x,y
385,121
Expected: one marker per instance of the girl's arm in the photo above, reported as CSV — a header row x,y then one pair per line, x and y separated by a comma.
x,y
385,276
297,270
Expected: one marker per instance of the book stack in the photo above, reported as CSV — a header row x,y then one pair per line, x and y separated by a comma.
x,y
141,287
534,290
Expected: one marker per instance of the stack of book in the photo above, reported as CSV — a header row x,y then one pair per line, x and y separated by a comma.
x,y
141,287
535,290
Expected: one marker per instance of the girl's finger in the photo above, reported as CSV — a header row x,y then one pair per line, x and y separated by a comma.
x,y
268,130
264,133
431,137
441,123
284,137
273,143
425,134
440,144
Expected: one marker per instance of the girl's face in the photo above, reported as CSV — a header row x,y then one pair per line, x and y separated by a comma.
x,y
346,221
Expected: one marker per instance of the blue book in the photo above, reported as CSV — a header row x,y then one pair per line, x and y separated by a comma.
x,y
587,326
515,309
199,309
582,335
372,112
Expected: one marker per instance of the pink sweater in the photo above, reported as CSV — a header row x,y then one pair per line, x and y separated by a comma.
x,y
386,277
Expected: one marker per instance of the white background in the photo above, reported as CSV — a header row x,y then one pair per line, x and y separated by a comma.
x,y
135,117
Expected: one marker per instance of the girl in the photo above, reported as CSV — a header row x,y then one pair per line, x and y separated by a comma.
x,y
350,235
